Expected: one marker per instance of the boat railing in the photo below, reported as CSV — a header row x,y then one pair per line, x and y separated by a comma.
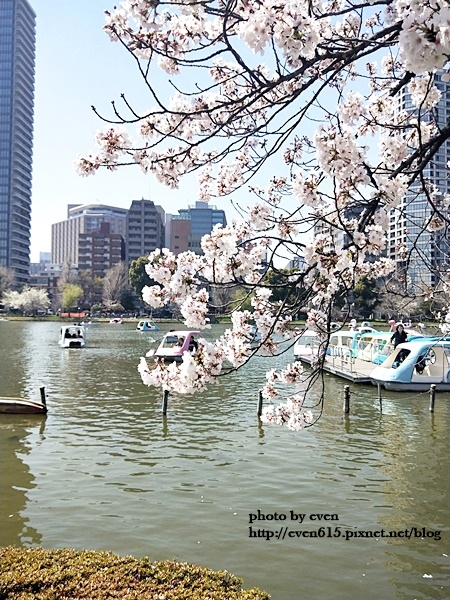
x,y
342,357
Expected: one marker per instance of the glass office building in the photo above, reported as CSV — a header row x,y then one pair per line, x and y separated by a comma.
x,y
203,219
17,64
429,251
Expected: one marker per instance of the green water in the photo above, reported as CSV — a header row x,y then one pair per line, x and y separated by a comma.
x,y
105,470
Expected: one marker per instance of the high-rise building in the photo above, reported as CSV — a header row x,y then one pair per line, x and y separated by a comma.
x,y
17,63
202,218
84,218
429,252
145,229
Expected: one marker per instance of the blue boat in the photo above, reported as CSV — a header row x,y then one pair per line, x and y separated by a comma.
x,y
147,325
415,365
344,343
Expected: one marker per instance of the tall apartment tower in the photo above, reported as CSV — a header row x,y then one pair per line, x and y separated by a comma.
x,y
430,251
17,64
145,229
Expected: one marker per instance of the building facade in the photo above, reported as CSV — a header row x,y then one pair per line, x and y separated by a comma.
x,y
17,71
180,233
145,229
202,219
100,250
429,252
84,219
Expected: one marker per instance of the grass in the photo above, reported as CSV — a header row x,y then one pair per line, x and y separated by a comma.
x,y
63,574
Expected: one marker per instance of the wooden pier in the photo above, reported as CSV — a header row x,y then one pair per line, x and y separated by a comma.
x,y
352,369
24,406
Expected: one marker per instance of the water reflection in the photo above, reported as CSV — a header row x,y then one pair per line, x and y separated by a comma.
x,y
111,472
16,479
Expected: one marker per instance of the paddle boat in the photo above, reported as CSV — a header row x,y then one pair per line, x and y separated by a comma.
x,y
374,346
365,326
116,321
175,343
415,365
306,346
147,326
344,343
72,336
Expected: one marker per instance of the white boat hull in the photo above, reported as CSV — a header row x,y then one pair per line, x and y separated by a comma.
x,y
72,336
415,366
411,386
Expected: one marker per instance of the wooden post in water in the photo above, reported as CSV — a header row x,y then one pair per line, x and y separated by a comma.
x,y
43,399
379,396
346,399
165,401
260,403
432,396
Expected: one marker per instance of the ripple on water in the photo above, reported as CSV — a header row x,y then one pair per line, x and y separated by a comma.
x,y
106,470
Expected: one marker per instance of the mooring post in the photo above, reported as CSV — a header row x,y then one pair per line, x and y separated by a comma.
x,y
43,399
165,401
347,399
432,396
379,396
260,403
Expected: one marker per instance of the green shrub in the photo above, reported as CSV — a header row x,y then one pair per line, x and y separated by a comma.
x,y
38,574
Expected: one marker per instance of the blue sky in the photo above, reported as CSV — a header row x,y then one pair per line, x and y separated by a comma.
x,y
77,67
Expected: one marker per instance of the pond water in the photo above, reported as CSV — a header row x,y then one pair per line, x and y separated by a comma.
x,y
104,470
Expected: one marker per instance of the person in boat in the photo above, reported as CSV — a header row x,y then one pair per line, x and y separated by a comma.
x,y
420,365
399,336
180,342
193,344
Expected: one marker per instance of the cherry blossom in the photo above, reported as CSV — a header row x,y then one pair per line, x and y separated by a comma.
x,y
344,94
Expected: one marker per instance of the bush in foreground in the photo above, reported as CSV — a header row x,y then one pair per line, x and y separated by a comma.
x,y
37,574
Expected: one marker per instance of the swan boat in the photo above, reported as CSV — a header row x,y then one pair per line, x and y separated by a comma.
x,y
147,325
72,336
175,343
415,366
306,346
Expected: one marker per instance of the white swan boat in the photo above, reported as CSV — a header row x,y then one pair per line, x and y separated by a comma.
x,y
306,346
72,336
415,365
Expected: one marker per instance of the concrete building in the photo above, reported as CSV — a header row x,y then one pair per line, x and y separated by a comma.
x,y
180,233
100,250
17,65
84,219
145,229
45,259
46,275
